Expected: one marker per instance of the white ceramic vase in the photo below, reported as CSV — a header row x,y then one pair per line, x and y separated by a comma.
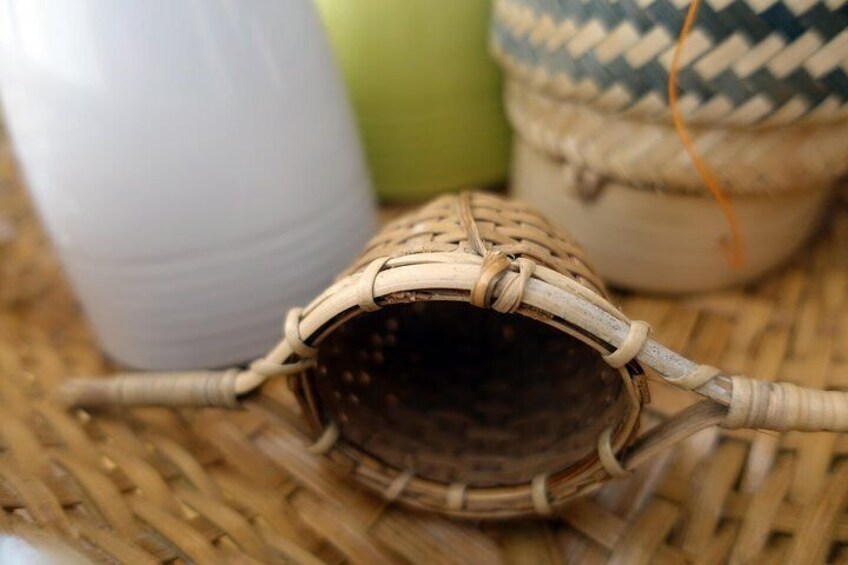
x,y
195,163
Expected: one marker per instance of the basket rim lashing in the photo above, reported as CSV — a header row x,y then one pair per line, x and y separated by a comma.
x,y
466,266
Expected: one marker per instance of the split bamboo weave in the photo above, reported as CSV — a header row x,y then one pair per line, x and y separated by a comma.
x,y
627,190
762,87
747,62
470,363
158,484
648,155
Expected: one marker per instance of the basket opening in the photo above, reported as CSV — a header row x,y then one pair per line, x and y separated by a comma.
x,y
455,393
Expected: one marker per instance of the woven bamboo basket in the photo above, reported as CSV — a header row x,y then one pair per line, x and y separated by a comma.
x,y
469,362
763,89
683,231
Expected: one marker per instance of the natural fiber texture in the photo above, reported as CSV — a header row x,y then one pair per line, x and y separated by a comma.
x,y
471,413
650,156
447,407
659,240
747,62
720,98
460,411
209,486
724,99
461,408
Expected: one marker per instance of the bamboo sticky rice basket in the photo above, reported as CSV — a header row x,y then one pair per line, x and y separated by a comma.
x,y
763,89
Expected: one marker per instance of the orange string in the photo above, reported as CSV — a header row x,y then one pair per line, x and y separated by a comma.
x,y
734,251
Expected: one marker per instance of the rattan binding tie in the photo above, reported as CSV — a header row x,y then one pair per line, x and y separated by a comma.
x,y
397,485
455,496
696,378
493,268
326,440
493,281
465,283
539,495
365,286
637,336
610,462
785,406
291,330
511,295
269,369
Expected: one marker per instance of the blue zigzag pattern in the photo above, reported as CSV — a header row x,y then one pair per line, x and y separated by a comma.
x,y
736,18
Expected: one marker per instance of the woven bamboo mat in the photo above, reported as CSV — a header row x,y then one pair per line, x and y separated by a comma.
x,y
211,487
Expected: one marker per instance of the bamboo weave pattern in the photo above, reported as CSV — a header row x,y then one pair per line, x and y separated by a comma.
x,y
748,62
649,156
154,485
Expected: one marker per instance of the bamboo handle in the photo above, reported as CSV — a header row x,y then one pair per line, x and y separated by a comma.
x,y
754,404
204,388
785,406
749,403
220,389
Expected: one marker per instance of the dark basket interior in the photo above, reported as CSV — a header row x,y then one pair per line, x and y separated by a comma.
x,y
456,393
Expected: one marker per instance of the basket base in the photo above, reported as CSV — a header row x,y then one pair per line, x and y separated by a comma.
x,y
664,242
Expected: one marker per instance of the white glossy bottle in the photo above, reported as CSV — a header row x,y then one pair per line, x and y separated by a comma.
x,y
195,163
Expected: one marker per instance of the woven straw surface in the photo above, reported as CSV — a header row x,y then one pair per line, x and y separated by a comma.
x,y
648,155
210,486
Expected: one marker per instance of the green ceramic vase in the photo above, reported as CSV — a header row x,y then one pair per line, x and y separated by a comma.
x,y
426,92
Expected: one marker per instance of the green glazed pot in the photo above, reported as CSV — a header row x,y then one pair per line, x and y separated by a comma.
x,y
426,93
